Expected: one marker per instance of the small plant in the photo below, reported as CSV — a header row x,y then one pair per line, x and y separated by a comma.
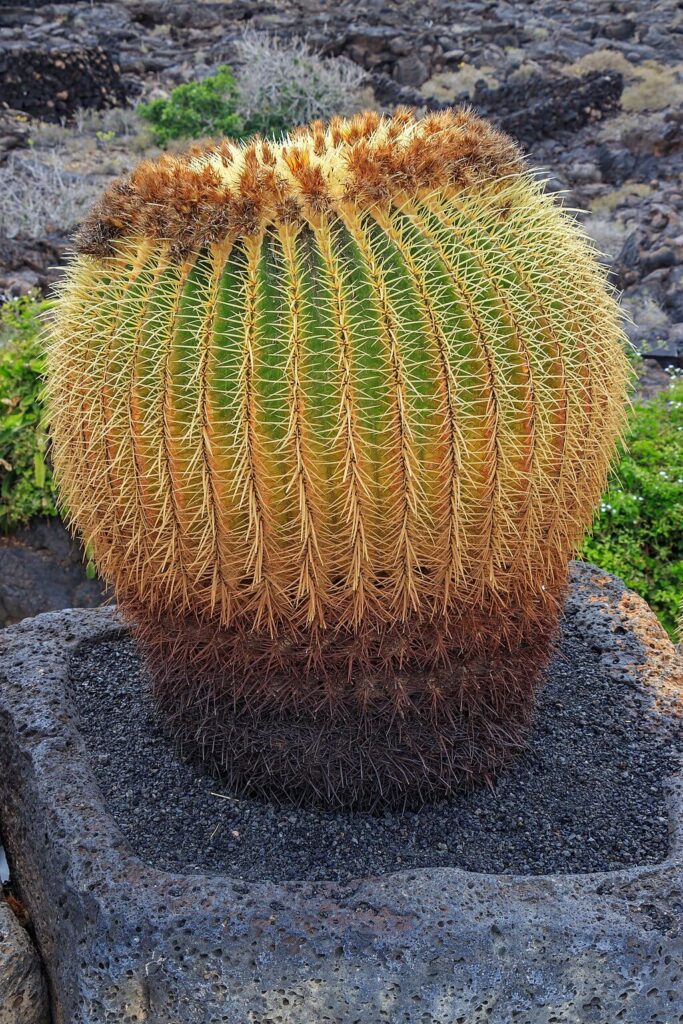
x,y
638,532
103,137
196,109
333,415
26,487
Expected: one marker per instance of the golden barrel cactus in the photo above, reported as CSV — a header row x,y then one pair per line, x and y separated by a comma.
x,y
333,414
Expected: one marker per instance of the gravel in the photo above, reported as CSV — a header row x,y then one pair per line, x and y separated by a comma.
x,y
588,794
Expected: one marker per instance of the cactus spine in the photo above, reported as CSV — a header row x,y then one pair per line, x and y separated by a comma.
x,y
333,414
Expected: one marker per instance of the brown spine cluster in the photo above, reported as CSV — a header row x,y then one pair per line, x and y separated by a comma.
x,y
187,201
366,738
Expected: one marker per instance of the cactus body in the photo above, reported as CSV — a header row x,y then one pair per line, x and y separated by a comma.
x,y
333,415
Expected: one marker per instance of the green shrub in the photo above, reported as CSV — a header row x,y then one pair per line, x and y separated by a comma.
x,y
208,107
638,532
26,487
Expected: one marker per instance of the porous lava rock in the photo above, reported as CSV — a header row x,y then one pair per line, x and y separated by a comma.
x,y
23,993
54,84
14,132
545,105
125,942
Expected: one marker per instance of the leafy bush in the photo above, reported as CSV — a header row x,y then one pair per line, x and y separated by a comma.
x,y
195,109
26,487
638,532
280,84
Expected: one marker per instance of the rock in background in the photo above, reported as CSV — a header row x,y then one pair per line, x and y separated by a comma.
x,y
14,131
54,84
545,106
42,569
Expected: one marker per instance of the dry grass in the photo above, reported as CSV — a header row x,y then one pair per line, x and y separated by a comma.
x,y
49,188
649,85
609,201
608,234
121,125
445,85
39,197
657,88
603,60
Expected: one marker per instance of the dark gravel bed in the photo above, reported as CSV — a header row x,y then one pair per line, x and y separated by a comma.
x,y
588,795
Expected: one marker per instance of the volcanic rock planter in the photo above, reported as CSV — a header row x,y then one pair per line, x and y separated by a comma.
x,y
126,942
23,994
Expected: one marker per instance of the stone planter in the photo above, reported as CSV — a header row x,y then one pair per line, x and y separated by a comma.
x,y
124,942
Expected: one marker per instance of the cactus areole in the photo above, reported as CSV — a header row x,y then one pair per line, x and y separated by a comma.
x,y
333,414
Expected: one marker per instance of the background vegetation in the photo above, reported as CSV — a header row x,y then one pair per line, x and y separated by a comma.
x,y
26,487
638,532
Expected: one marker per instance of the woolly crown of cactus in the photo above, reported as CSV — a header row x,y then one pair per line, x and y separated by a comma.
x,y
329,408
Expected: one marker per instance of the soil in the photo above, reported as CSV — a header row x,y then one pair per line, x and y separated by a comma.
x,y
589,794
